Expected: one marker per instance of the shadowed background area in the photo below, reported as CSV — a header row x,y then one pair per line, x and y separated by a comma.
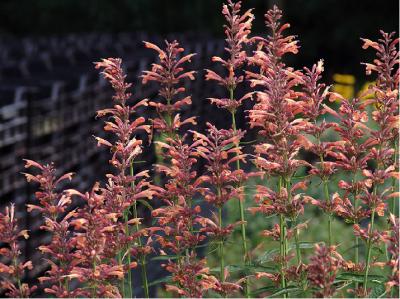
x,y
49,90
328,29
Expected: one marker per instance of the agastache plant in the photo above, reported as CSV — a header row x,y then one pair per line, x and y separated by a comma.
x,y
314,96
305,133
237,32
275,116
385,138
179,219
125,188
219,149
169,73
54,205
12,272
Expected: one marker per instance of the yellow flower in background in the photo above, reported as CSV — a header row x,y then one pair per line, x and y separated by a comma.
x,y
344,85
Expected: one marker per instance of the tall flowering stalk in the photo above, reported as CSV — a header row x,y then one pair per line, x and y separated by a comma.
x,y
314,96
323,269
13,273
179,219
98,271
350,156
237,29
392,240
386,136
169,73
53,204
125,188
219,149
275,115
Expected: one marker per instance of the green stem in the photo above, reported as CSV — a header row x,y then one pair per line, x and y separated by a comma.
x,y
94,286
369,251
19,283
143,257
241,208
221,248
298,252
394,180
282,243
288,183
120,262
326,193
356,239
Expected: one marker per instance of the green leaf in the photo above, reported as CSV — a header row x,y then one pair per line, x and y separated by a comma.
x,y
164,257
248,142
228,146
267,255
262,290
303,245
377,249
146,204
285,291
358,277
377,291
161,280
353,247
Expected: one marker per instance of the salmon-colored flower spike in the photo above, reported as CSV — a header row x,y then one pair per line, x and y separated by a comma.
x,y
278,117
392,240
237,32
191,277
53,203
179,216
352,156
386,89
13,270
384,139
270,202
96,266
387,63
323,269
315,94
169,73
221,151
124,188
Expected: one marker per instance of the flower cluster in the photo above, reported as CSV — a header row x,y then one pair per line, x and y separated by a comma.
x,y
237,33
125,188
277,118
219,149
323,269
169,73
54,204
96,237
13,273
178,217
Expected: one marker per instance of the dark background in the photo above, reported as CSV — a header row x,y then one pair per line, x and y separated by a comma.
x,y
327,29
